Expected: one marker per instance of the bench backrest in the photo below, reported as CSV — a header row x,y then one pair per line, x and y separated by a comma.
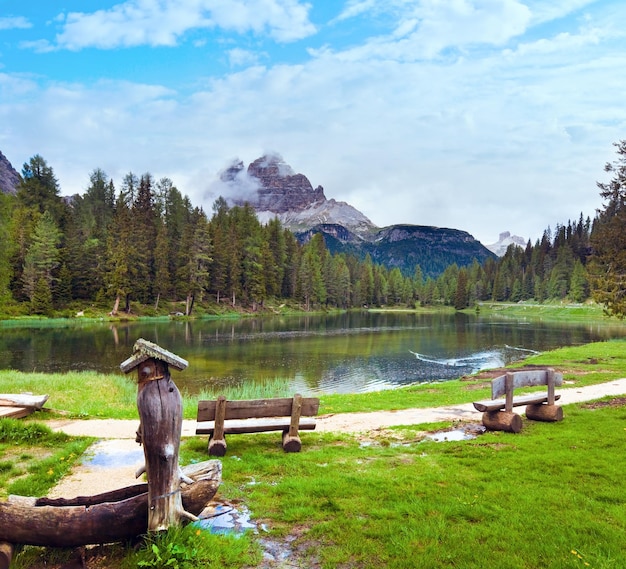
x,y
525,378
258,408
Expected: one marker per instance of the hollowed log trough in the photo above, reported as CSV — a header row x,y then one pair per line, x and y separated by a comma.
x,y
118,515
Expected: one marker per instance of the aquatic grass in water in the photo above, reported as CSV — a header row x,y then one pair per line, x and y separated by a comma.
x,y
267,389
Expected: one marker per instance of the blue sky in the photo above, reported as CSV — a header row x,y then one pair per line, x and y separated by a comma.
x,y
481,115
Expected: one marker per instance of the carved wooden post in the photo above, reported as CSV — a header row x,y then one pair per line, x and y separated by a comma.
x,y
160,414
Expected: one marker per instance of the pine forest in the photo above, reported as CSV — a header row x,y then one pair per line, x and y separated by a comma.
x,y
143,246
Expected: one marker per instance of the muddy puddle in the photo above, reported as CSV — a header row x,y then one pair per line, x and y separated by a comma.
x,y
455,435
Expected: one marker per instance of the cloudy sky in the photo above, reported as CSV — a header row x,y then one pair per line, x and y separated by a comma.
x,y
481,115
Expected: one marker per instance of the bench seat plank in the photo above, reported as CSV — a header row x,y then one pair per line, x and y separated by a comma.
x,y
241,426
257,408
498,404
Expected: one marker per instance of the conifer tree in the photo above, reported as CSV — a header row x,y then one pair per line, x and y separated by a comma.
x,y
461,294
6,247
42,256
118,276
608,239
41,299
39,190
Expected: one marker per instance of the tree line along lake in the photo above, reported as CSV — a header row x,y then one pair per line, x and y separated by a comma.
x,y
349,352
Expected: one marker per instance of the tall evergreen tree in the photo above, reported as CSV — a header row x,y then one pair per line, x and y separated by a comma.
x,y
143,223
119,275
39,190
196,252
461,293
6,246
42,256
608,239
312,285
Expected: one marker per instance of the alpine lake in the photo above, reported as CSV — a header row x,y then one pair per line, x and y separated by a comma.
x,y
338,353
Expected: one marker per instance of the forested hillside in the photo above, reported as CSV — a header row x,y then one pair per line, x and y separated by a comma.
x,y
146,243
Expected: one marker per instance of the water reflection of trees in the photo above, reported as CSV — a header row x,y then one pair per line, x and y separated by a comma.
x,y
313,351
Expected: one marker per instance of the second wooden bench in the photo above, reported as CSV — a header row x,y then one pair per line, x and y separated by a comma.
x,y
498,414
289,415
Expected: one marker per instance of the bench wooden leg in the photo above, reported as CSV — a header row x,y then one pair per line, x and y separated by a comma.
x,y
502,421
217,447
291,443
217,442
544,412
291,439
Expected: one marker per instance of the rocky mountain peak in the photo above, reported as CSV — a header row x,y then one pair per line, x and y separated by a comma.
x,y
281,190
9,178
273,189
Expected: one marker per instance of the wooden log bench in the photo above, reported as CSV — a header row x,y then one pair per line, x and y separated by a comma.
x,y
289,415
498,413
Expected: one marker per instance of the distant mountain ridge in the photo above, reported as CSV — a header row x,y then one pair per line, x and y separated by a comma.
x,y
9,177
273,189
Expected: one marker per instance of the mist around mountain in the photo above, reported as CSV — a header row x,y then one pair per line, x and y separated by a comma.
x,y
274,190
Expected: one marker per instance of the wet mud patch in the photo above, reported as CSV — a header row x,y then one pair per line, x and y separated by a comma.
x,y
459,432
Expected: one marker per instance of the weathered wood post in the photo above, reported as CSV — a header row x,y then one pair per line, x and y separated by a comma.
x,y
160,415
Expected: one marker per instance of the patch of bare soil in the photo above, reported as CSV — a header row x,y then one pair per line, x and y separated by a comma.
x,y
615,402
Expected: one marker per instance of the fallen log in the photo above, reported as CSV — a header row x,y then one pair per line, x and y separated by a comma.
x,y
103,518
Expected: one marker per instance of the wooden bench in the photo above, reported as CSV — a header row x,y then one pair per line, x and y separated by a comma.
x,y
289,415
498,413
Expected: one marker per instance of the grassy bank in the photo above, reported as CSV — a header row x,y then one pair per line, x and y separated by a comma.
x,y
555,311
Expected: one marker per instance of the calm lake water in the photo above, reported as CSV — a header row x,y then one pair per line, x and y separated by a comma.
x,y
342,353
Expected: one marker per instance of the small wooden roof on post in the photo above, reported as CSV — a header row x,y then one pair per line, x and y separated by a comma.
x,y
143,350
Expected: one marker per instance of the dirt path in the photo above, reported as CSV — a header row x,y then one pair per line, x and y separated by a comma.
x,y
344,422
112,461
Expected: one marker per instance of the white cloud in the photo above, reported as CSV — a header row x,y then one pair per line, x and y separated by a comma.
x,y
426,30
355,8
164,22
14,23
510,137
238,57
284,20
543,11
